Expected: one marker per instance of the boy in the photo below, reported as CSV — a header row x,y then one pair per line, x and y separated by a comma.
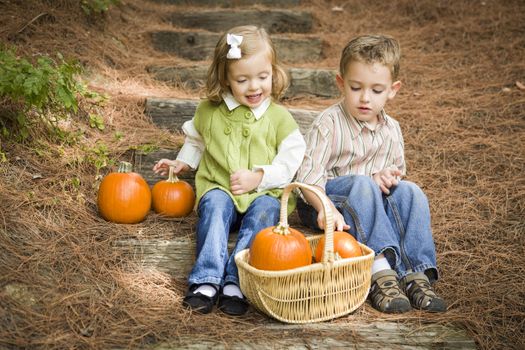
x,y
355,153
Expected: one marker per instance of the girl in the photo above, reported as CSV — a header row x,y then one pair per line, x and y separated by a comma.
x,y
245,147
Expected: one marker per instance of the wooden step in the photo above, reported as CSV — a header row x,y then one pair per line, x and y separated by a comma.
x,y
143,164
220,20
170,113
199,46
232,3
176,257
343,334
303,81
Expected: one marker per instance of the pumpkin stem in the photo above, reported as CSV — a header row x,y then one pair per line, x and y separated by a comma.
x,y
282,229
125,167
172,177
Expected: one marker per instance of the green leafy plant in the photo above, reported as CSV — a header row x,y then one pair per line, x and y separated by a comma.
x,y
119,135
96,121
100,156
3,157
97,6
145,149
45,91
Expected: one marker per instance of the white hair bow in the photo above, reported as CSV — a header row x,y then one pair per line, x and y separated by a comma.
x,y
234,41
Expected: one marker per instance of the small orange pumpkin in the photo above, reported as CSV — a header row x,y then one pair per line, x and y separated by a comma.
x,y
173,197
279,248
124,197
345,246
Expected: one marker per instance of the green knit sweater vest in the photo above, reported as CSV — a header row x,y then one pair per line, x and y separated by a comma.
x,y
236,140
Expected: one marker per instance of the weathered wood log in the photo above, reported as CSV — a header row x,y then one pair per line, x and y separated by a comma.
x,y
199,46
303,81
274,21
341,335
172,113
176,257
233,3
143,164
317,82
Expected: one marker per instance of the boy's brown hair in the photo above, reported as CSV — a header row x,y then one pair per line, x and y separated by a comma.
x,y
254,40
368,48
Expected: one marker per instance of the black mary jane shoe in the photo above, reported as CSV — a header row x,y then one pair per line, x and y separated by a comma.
x,y
233,305
198,301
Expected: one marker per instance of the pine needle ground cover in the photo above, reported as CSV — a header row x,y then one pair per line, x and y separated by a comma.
x,y
63,282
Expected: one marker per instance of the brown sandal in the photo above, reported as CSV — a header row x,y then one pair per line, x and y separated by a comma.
x,y
385,294
418,289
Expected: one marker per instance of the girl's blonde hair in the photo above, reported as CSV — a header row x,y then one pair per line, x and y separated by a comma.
x,y
254,40
382,49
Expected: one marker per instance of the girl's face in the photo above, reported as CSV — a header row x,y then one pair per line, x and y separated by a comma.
x,y
250,78
366,88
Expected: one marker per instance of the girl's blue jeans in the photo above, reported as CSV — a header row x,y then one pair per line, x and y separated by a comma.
x,y
397,225
217,218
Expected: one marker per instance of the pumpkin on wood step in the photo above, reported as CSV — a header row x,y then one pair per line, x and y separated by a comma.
x,y
173,197
124,197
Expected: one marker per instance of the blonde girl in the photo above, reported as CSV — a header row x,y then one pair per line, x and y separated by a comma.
x,y
246,148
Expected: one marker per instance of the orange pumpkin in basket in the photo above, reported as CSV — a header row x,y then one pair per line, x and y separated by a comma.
x,y
173,197
279,248
124,197
345,246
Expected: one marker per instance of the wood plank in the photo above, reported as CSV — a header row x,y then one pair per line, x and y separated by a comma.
x,y
274,21
176,257
172,113
303,81
232,3
199,46
317,82
341,335
143,164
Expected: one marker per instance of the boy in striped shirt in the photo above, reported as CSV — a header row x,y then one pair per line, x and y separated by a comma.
x,y
355,153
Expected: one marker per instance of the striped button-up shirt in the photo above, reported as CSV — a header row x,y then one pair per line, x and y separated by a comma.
x,y
338,145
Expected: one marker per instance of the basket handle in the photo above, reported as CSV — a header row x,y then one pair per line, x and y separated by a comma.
x,y
328,252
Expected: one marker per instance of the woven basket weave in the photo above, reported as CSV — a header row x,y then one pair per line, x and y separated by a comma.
x,y
313,293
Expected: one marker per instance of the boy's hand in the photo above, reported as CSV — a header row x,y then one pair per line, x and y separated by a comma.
x,y
244,180
162,167
387,178
339,220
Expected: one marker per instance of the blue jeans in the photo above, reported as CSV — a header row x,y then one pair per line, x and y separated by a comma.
x,y
217,218
397,225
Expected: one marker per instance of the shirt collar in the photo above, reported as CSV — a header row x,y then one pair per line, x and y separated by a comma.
x,y
258,111
357,125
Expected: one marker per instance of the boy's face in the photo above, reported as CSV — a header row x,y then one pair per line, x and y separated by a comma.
x,y
250,79
366,88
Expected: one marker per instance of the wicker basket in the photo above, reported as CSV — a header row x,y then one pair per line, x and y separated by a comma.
x,y
317,292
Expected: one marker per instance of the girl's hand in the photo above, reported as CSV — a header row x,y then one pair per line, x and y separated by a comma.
x,y
339,220
162,167
244,180
387,178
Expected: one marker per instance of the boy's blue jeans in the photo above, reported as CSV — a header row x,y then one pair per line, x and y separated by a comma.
x,y
397,225
217,218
